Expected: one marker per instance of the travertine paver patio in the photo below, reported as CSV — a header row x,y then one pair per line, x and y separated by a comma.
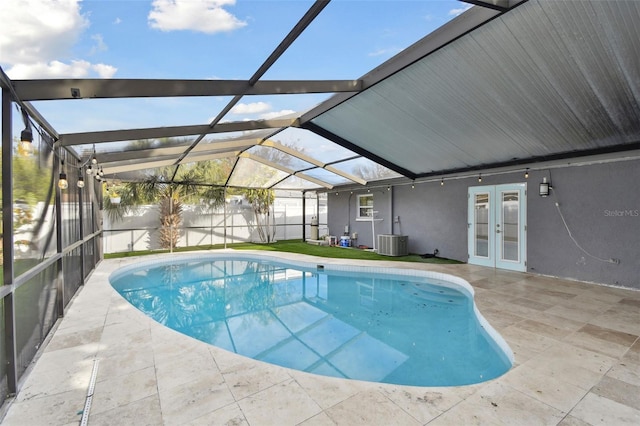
x,y
576,348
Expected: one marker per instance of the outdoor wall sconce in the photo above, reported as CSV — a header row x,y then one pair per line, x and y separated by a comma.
x,y
545,187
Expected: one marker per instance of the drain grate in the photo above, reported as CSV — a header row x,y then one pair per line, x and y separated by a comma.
x,y
87,403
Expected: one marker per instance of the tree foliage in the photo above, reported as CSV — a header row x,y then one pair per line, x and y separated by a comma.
x,y
261,201
373,171
31,178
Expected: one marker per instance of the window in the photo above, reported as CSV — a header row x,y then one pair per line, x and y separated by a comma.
x,y
365,206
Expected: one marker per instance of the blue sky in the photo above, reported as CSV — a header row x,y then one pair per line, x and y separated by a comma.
x,y
200,39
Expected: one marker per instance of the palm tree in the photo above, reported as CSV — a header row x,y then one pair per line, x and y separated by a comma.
x,y
261,201
189,186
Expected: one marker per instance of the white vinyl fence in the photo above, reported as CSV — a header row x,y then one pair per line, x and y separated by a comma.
x,y
139,230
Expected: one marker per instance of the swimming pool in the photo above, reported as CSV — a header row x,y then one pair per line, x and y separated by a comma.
x,y
407,327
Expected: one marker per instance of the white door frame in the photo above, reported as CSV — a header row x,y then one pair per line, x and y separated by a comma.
x,y
497,226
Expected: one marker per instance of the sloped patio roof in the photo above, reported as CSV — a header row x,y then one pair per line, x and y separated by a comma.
x,y
506,83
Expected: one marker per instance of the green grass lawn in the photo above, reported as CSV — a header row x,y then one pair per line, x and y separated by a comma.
x,y
297,246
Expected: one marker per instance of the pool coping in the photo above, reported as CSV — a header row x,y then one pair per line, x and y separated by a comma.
x,y
439,278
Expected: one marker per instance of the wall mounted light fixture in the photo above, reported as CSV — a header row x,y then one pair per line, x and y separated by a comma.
x,y
545,187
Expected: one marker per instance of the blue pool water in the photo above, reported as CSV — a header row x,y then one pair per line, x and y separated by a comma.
x,y
373,326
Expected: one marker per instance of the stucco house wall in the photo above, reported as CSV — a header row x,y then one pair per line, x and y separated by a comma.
x,y
600,204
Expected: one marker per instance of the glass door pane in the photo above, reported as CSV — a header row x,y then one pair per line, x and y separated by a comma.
x,y
481,224
509,226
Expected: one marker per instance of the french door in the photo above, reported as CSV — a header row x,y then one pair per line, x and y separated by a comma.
x,y
497,226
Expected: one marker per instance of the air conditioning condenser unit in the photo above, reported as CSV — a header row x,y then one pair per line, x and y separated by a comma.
x,y
393,245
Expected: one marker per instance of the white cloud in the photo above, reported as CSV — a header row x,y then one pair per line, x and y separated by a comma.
x,y
252,108
37,36
456,12
104,71
117,21
207,16
100,45
58,69
276,114
53,69
39,30
385,52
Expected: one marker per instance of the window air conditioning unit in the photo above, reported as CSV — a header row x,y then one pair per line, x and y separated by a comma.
x,y
393,245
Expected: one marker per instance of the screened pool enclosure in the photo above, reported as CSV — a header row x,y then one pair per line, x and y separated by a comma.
x,y
497,86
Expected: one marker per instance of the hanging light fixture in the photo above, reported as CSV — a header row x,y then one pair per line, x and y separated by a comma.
x,y
80,180
62,179
93,164
114,196
25,146
480,177
442,182
545,187
526,174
